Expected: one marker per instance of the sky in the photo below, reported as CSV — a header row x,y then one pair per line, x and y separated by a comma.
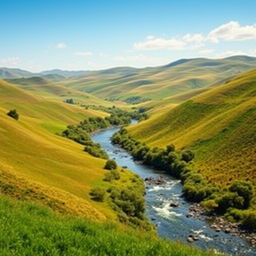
x,y
90,35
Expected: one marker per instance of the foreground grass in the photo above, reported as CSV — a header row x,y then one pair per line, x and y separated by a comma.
x,y
29,229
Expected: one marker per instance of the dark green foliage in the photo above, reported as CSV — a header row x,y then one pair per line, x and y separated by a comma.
x,y
166,159
110,164
98,194
81,134
70,101
14,114
229,200
95,150
195,187
129,201
112,175
249,221
244,189
187,156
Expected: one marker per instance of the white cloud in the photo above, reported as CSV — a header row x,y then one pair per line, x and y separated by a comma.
x,y
233,31
61,46
83,53
9,62
194,38
153,43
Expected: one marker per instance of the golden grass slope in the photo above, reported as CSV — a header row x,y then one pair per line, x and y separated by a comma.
x,y
31,148
49,89
157,83
218,125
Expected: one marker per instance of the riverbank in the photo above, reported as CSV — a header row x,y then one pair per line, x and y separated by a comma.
x,y
171,222
217,223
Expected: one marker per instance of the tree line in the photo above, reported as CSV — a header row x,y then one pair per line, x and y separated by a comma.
x,y
233,201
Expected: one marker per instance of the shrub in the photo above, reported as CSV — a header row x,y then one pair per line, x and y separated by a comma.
x,y
249,221
112,175
187,156
13,113
243,189
98,194
110,164
210,205
229,200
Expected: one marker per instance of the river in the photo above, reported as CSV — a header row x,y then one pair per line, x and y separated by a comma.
x,y
172,222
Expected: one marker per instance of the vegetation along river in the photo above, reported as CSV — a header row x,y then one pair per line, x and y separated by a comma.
x,y
172,222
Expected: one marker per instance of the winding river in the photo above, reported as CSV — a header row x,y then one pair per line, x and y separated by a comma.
x,y
172,222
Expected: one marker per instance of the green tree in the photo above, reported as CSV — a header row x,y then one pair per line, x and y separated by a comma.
x,y
14,114
98,194
187,156
243,189
110,164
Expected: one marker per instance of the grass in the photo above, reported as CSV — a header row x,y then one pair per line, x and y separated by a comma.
x,y
174,83
31,149
35,230
218,125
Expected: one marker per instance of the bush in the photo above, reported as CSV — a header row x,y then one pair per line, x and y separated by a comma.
x,y
249,221
187,156
112,175
244,189
110,165
13,113
98,194
229,200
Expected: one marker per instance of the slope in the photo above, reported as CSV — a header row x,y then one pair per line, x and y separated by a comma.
x,y
31,149
43,87
157,83
218,125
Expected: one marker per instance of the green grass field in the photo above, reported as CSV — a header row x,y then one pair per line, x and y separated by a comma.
x,y
35,230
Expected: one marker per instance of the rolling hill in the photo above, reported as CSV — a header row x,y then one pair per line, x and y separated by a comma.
x,y
36,161
176,81
218,125
49,89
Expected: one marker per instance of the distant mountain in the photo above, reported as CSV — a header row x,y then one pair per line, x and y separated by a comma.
x,y
63,73
8,73
53,75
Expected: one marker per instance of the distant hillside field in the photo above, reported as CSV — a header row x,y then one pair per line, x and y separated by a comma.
x,y
218,125
177,81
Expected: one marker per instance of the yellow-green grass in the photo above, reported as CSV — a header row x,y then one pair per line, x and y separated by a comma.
x,y
162,82
49,89
31,148
218,125
35,230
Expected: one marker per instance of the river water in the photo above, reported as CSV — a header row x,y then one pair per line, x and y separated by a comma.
x,y
172,223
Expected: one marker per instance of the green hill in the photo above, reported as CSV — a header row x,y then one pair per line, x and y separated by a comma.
x,y
35,230
218,125
48,88
30,149
157,83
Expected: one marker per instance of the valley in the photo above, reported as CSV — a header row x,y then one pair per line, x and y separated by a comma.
x,y
52,155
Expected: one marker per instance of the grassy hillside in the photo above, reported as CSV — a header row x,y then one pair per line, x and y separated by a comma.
x,y
218,125
48,88
34,230
30,147
181,78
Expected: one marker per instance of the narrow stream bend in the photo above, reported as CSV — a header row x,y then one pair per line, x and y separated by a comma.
x,y
172,222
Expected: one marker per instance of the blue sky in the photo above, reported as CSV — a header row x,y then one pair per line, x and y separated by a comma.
x,y
42,34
